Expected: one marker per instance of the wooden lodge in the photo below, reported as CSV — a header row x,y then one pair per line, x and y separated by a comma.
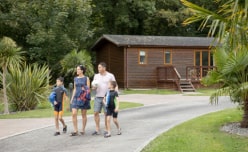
x,y
156,61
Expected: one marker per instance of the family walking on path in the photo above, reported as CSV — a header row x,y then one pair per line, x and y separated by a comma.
x,y
106,98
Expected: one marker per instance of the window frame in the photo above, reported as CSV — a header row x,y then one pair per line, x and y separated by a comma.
x,y
201,51
146,57
167,50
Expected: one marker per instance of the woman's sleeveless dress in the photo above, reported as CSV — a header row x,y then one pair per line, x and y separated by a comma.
x,y
77,103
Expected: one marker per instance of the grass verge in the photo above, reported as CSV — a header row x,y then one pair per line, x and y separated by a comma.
x,y
201,135
202,92
150,91
45,110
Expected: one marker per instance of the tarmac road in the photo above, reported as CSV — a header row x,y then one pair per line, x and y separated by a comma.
x,y
139,126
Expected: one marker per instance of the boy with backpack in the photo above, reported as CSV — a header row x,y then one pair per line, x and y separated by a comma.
x,y
59,94
112,105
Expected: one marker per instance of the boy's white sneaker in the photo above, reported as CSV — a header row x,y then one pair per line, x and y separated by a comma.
x,y
119,131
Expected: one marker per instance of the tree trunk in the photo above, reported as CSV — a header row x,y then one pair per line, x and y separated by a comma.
x,y
5,98
244,122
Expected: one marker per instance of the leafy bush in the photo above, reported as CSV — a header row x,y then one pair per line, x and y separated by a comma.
x,y
27,86
1,107
44,105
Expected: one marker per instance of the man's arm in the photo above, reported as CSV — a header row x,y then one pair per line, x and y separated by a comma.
x,y
92,87
113,79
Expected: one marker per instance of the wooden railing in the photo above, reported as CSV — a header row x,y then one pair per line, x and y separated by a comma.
x,y
168,73
196,73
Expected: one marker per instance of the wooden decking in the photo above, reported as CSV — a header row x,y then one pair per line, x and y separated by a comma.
x,y
169,78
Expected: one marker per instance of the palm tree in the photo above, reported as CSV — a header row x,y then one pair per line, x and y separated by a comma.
x,y
10,54
229,22
75,58
232,74
229,25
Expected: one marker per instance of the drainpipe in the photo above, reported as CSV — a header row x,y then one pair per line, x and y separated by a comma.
x,y
125,68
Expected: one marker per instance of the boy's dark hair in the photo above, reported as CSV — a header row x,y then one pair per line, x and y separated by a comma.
x,y
103,64
113,83
61,79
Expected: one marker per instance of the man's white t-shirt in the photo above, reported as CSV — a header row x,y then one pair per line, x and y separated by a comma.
x,y
103,80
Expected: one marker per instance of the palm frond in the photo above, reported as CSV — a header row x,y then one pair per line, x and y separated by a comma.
x,y
10,53
74,58
230,18
28,86
220,57
214,98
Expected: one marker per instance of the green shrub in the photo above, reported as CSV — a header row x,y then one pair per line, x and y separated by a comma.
x,y
44,105
1,107
27,86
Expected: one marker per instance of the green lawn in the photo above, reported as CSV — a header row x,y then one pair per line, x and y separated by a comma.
x,y
150,91
202,92
201,135
45,110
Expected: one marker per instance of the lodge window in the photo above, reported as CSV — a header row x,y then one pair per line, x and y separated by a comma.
x,y
142,57
203,58
167,57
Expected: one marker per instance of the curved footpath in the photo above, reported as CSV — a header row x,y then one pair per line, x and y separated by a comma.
x,y
139,126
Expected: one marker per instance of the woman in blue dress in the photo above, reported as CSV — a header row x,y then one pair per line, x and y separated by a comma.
x,y
79,81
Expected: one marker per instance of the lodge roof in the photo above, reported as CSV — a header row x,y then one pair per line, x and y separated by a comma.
x,y
155,41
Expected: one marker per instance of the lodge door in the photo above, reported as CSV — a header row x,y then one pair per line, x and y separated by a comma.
x,y
203,61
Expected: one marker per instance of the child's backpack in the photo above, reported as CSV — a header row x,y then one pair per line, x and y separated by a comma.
x,y
52,97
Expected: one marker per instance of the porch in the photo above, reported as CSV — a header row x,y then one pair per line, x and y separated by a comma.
x,y
169,78
196,73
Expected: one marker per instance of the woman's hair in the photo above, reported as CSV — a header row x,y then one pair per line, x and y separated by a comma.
x,y
82,68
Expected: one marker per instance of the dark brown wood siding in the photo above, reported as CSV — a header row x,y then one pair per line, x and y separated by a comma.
x,y
167,85
143,75
181,58
113,56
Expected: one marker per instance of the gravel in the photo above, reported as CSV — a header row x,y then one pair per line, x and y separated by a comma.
x,y
234,128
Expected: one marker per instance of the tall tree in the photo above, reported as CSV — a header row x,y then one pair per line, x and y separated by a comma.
x,y
49,29
229,24
144,17
167,20
122,17
10,55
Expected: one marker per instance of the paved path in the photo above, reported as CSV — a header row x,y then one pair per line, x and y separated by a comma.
x,y
139,126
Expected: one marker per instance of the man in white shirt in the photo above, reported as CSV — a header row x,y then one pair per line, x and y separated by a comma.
x,y
102,78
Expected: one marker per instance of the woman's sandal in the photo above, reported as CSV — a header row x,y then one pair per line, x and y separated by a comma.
x,y
82,133
74,133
